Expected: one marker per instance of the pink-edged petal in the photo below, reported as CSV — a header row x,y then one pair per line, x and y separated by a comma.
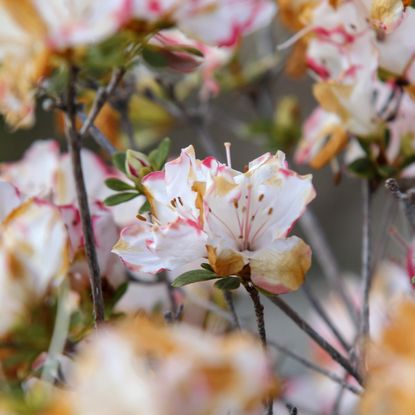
x,y
9,199
105,234
153,10
159,199
125,214
224,22
37,238
281,267
95,172
150,248
34,174
75,23
397,49
72,219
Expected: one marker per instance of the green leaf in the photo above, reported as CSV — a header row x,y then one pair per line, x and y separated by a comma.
x,y
118,160
228,283
145,208
387,171
190,277
117,184
154,57
187,49
363,167
158,157
120,198
207,267
119,293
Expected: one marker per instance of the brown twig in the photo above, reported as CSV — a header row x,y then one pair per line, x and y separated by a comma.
x,y
229,300
313,366
75,144
304,326
315,303
259,313
101,98
97,135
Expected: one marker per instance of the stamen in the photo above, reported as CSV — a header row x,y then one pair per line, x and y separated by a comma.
x,y
270,210
261,197
228,154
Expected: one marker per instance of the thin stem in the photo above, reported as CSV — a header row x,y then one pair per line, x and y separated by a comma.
x,y
313,366
74,145
304,326
60,333
259,313
229,300
323,314
406,199
98,136
100,99
338,400
326,259
174,308
366,260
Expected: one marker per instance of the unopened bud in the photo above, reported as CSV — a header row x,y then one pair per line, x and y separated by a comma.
x,y
137,165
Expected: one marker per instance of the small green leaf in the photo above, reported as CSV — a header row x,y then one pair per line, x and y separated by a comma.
x,y
120,198
154,57
193,276
158,157
363,167
228,283
119,293
386,171
145,208
187,49
207,267
118,160
117,184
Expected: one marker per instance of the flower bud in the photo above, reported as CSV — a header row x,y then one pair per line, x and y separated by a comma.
x,y
137,165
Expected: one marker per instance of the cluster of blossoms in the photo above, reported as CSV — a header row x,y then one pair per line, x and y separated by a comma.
x,y
360,54
239,222
140,367
38,38
41,235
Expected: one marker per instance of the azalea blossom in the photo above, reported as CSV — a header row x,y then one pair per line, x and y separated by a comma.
x,y
34,253
45,173
204,209
187,55
219,23
120,369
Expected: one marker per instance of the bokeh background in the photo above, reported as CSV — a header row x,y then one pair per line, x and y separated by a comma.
x,y
337,206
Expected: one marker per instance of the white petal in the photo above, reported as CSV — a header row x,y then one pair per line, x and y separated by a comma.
x,y
281,267
150,248
34,174
37,236
9,199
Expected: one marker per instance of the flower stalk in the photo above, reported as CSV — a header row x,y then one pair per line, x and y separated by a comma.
x,y
74,140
